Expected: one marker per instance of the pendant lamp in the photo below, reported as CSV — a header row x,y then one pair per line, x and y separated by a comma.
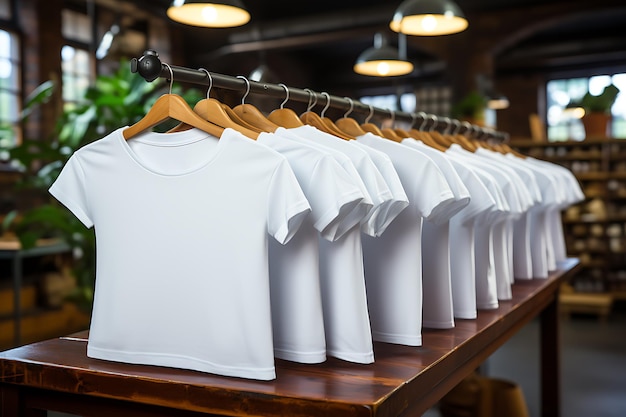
x,y
428,18
217,14
497,101
381,60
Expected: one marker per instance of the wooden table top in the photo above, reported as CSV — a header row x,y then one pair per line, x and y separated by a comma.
x,y
403,380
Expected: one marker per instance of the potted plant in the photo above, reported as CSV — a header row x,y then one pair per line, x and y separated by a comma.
x,y
471,108
597,118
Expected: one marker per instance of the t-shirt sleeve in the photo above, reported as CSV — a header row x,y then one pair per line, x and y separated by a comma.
x,y
436,199
287,204
70,190
333,195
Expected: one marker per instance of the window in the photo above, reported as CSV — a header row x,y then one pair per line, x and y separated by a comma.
x,y
431,100
10,104
76,60
565,125
76,74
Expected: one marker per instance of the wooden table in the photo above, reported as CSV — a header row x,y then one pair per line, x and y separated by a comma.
x,y
404,381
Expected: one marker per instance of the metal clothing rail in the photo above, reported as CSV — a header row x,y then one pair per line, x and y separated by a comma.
x,y
150,67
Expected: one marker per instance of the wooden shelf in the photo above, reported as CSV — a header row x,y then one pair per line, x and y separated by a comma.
x,y
607,158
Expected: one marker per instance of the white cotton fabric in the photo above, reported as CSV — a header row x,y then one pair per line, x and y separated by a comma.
x,y
393,261
297,314
342,281
182,222
438,309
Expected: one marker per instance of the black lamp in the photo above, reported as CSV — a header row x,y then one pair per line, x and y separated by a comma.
x,y
382,60
428,18
217,14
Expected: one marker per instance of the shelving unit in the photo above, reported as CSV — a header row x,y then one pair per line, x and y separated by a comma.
x,y
595,229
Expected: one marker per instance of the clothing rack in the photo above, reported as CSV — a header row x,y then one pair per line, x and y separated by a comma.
x,y
150,67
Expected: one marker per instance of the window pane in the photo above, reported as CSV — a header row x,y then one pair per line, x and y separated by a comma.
x,y
9,107
76,26
562,125
76,73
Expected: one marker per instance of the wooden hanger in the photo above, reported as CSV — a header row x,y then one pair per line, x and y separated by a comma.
x,y
283,117
331,125
171,106
390,133
422,135
251,114
313,119
371,127
348,124
215,112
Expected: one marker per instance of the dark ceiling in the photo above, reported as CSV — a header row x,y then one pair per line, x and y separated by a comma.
x,y
315,43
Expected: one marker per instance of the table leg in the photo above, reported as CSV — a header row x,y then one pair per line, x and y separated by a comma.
x,y
550,361
17,299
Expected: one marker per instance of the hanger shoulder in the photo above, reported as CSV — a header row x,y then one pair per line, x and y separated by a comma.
x,y
171,106
391,134
336,130
286,118
252,115
235,118
372,128
211,110
313,119
350,126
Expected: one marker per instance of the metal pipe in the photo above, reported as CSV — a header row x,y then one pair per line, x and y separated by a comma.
x,y
150,67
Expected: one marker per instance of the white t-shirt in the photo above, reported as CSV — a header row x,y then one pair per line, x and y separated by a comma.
x,y
554,194
182,223
297,315
342,281
393,261
528,194
372,178
399,200
438,310
461,236
485,274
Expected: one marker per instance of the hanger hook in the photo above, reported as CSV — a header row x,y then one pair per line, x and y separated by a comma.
x,y
311,97
457,127
436,122
424,117
413,119
351,106
282,105
325,94
171,75
243,99
369,116
208,74
393,117
467,125
448,123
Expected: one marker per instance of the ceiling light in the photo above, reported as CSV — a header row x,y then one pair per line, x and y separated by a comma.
x,y
219,14
428,18
497,101
381,60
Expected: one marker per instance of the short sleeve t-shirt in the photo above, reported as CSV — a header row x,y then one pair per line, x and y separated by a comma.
x,y
342,281
393,261
438,311
297,315
182,222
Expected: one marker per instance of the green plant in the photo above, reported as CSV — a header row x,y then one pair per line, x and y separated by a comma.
x,y
471,106
113,101
601,103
